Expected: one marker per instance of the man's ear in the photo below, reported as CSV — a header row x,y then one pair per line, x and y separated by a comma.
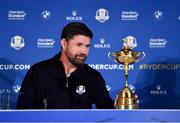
x,y
63,43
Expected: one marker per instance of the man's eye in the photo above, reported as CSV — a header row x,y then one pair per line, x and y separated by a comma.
x,y
78,44
88,45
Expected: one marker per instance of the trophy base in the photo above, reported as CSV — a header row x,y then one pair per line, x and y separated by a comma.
x,y
127,99
129,107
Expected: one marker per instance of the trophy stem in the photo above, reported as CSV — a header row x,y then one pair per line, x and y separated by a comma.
x,y
126,68
126,83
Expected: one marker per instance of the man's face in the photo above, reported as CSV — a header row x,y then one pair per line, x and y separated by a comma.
x,y
77,49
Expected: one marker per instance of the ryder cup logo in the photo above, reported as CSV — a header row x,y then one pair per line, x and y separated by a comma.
x,y
46,15
130,41
102,15
17,42
80,89
158,15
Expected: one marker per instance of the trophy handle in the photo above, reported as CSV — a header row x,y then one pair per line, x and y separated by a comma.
x,y
143,55
112,56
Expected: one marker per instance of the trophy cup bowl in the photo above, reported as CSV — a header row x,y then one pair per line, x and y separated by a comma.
x,y
127,98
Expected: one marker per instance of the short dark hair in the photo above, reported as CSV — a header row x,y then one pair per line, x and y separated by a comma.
x,y
76,28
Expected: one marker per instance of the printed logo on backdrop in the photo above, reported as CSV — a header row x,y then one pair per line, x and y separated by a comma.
x,y
5,98
179,18
110,66
158,15
130,41
17,42
14,67
157,43
46,15
102,44
16,88
159,90
159,66
16,15
45,43
132,87
129,15
108,87
74,17
102,15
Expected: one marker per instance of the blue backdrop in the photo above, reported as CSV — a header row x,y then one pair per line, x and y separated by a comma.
x,y
30,32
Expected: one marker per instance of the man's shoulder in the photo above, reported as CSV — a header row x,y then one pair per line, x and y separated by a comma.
x,y
90,69
48,62
43,64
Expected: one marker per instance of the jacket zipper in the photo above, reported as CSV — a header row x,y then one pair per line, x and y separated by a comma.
x,y
67,77
67,82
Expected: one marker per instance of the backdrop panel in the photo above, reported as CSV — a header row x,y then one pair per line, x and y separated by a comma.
x,y
154,26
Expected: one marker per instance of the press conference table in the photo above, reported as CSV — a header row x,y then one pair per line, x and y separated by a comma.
x,y
92,115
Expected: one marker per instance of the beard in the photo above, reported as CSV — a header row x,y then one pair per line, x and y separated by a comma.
x,y
76,59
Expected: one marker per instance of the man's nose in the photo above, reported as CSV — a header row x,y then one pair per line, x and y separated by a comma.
x,y
84,50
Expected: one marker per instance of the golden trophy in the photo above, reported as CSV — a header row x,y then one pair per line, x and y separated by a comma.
x,y
127,98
